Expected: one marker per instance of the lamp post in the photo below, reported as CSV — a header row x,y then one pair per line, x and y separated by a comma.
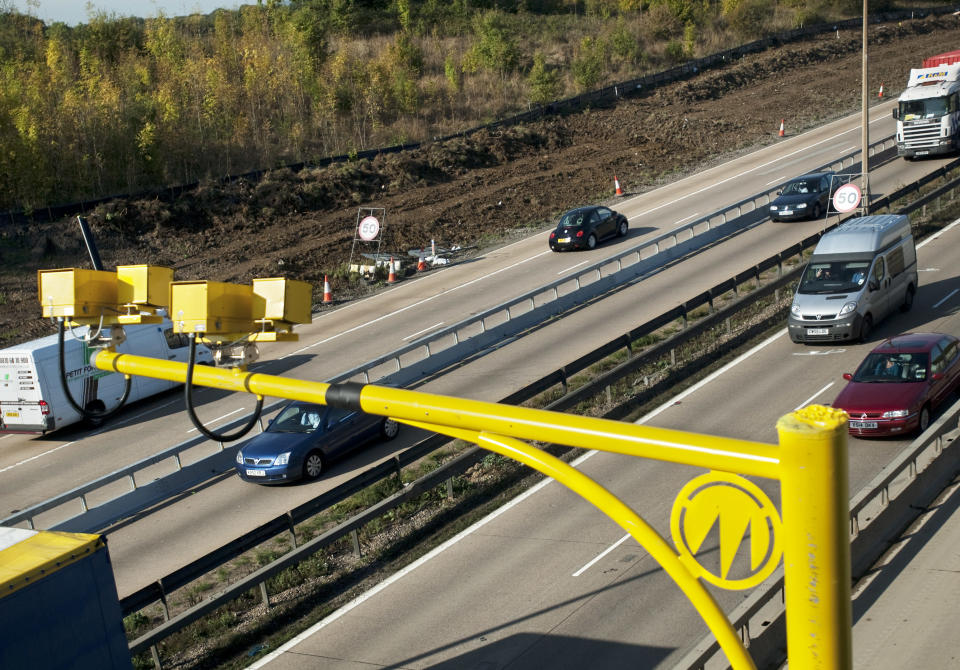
x,y
865,119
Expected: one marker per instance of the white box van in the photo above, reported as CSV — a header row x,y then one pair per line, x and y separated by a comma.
x,y
858,273
31,394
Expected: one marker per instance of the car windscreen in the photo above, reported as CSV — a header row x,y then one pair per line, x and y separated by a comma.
x,y
892,367
834,277
297,419
801,187
574,219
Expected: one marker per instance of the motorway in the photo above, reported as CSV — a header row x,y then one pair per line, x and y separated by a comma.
x,y
146,547
547,581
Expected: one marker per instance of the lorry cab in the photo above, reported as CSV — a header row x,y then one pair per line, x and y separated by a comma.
x,y
928,110
31,394
858,273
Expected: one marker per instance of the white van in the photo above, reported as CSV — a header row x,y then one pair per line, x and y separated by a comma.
x,y
31,394
859,272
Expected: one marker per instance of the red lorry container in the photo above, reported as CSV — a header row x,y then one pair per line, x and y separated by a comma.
x,y
947,58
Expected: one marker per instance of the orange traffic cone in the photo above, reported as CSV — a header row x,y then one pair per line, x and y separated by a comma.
x,y
880,94
391,275
781,126
422,263
616,183
327,294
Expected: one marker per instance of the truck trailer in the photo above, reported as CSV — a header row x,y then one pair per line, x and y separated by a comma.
x,y
928,110
58,603
31,392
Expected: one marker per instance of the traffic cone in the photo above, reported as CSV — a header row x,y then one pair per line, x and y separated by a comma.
x,y
880,94
781,126
391,276
422,263
327,294
616,183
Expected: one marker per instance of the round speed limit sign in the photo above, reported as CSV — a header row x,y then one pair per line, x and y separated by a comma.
x,y
846,198
369,228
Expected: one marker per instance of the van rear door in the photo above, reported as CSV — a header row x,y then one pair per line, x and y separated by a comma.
x,y
22,408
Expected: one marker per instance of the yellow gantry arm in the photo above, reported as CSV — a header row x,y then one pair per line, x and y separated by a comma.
x,y
706,451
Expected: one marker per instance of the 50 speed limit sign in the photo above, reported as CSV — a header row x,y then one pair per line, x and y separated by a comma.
x,y
846,198
369,228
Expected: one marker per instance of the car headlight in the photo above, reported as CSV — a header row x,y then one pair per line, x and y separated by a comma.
x,y
282,459
896,414
773,208
795,308
239,457
849,307
802,205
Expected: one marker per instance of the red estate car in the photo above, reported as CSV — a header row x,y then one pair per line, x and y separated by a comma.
x,y
900,383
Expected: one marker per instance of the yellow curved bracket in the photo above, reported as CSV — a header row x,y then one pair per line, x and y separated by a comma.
x,y
626,518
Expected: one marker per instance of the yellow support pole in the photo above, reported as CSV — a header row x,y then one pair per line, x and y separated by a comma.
x,y
814,488
661,551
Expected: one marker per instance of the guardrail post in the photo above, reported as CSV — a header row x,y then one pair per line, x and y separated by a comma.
x,y
293,530
449,488
133,482
355,541
83,502
264,595
163,600
155,653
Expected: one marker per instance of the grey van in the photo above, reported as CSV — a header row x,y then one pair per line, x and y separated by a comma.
x,y
858,273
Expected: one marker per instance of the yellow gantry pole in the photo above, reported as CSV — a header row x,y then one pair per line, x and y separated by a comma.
x,y
626,518
815,504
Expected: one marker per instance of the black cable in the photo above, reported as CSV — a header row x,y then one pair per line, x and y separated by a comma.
x,y
188,393
86,413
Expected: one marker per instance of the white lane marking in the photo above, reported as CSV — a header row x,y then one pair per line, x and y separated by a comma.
x,y
947,297
745,172
239,409
413,305
572,267
810,399
778,180
139,416
937,235
602,554
36,456
6,436
420,332
686,218
929,270
819,352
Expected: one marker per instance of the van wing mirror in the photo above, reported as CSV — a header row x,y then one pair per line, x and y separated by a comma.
x,y
873,285
896,113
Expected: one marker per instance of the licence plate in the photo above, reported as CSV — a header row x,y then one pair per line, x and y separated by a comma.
x,y
256,473
786,212
921,153
863,424
12,414
563,240
818,331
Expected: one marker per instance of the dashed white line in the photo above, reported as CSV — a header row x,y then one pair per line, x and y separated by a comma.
x,y
686,218
810,399
36,456
563,272
946,297
420,332
602,554
239,409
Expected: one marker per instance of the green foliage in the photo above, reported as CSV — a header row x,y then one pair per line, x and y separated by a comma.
x,y
748,18
453,73
589,63
624,45
495,48
675,51
544,82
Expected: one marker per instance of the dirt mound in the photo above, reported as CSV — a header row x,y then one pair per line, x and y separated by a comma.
x,y
472,189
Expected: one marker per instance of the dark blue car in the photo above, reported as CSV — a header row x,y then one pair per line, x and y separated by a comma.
x,y
806,197
302,440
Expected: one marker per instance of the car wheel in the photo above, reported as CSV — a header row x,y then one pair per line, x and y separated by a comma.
x,y
622,229
908,299
924,418
865,327
389,429
313,465
816,211
591,241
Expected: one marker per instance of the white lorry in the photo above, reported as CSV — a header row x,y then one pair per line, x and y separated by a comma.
x,y
31,393
928,110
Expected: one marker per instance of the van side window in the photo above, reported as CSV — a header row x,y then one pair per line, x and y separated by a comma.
x,y
895,261
878,273
176,340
